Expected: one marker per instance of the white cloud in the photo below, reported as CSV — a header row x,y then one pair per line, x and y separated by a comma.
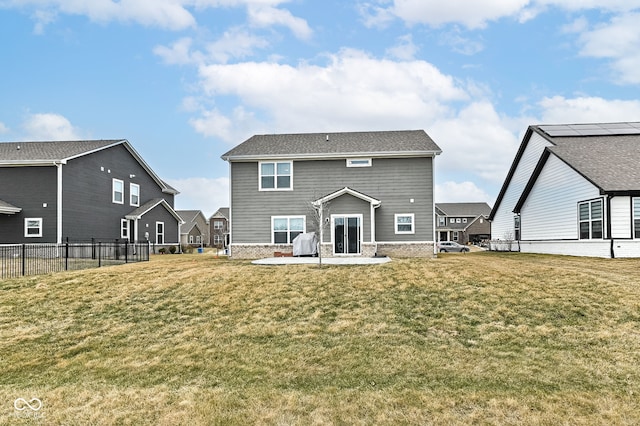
x,y
179,53
617,40
405,49
353,91
477,141
266,16
558,109
3,128
461,192
169,14
49,126
199,193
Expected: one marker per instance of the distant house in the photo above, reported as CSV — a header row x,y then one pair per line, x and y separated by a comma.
x,y
82,190
363,193
463,222
572,189
219,228
194,231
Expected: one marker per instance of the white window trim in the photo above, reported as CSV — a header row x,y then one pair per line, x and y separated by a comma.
x,y
633,216
455,236
26,228
442,221
275,176
591,220
218,224
131,194
124,229
113,191
304,227
359,162
413,223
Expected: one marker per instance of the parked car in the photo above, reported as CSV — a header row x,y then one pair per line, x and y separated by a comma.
x,y
451,246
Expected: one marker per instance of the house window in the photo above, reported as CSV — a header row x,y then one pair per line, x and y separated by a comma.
x,y
134,194
455,235
452,220
458,220
590,216
464,220
118,191
218,224
190,239
276,176
33,227
358,162
442,221
516,226
404,223
159,232
217,239
124,228
636,217
284,229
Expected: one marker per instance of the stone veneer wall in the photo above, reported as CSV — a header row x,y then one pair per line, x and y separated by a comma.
x,y
239,251
406,250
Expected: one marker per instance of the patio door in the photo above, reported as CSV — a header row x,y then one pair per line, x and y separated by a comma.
x,y
347,234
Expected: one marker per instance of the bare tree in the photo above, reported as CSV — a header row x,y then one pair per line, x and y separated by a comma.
x,y
319,213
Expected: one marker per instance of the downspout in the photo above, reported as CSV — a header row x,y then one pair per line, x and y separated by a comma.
x,y
608,218
373,228
433,206
59,203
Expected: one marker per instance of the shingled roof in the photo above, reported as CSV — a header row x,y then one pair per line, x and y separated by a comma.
x,y
606,154
44,153
464,209
331,145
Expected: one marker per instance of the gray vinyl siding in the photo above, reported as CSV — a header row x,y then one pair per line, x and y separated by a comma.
x,y
393,181
88,210
350,205
148,224
29,188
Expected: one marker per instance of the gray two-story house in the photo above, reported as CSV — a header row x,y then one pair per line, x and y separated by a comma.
x,y
362,193
463,222
82,190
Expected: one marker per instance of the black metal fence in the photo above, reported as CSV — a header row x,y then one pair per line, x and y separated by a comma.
x,y
32,259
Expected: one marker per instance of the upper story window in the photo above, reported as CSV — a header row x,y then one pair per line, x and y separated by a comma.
x,y
464,220
118,191
442,221
134,194
33,227
358,162
276,176
590,219
218,224
405,223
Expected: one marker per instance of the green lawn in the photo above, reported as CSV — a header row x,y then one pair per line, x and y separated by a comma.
x,y
480,338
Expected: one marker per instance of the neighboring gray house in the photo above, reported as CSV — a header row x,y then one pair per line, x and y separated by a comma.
x,y
375,189
82,190
194,231
463,222
572,189
219,228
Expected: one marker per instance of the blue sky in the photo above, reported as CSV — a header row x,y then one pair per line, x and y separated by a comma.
x,y
186,80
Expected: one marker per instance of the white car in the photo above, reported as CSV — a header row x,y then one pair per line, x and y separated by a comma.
x,y
451,246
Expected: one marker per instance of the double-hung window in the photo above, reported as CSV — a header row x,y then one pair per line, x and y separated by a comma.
x,y
285,228
276,176
590,219
118,191
124,228
33,227
405,223
134,194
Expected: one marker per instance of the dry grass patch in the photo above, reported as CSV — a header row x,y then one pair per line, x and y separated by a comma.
x,y
480,338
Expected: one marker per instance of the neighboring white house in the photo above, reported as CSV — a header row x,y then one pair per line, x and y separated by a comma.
x,y
572,189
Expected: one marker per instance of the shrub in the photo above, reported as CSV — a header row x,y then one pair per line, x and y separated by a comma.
x,y
162,250
172,249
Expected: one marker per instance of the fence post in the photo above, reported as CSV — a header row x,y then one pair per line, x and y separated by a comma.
x,y
66,255
24,257
99,254
126,251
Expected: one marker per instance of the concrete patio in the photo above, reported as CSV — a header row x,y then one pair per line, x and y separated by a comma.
x,y
347,260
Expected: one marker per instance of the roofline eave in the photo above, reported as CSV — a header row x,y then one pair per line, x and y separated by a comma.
x,y
332,156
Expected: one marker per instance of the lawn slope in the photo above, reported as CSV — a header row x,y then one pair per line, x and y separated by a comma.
x,y
488,338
